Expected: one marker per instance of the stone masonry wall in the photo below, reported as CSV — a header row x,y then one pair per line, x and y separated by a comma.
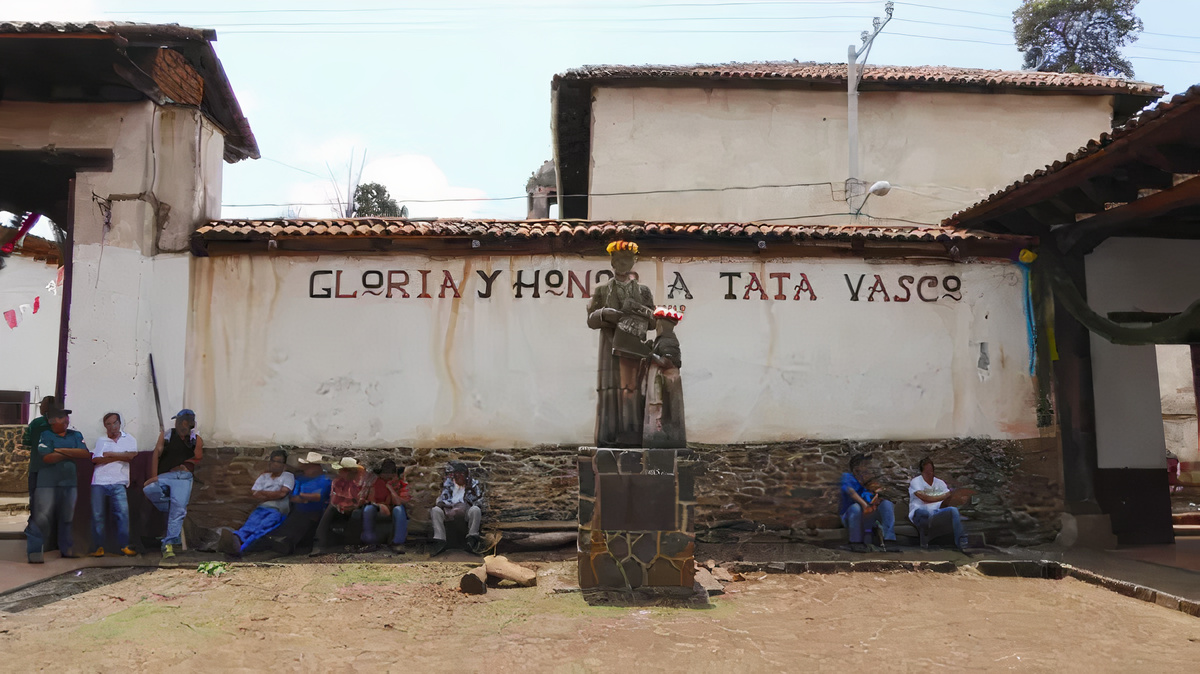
x,y
784,486
14,461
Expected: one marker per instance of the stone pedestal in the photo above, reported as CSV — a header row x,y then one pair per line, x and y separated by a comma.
x,y
637,518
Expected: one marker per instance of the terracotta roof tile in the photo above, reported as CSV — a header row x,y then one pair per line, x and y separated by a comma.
x,y
834,73
243,230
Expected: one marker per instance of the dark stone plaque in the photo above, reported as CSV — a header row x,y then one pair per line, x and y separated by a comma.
x,y
637,502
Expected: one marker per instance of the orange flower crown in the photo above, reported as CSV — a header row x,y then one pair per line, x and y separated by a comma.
x,y
627,246
668,313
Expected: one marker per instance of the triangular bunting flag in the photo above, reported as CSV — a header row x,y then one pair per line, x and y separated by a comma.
x,y
37,303
10,317
25,309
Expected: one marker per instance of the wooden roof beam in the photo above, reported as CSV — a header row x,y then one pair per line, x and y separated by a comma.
x,y
1088,233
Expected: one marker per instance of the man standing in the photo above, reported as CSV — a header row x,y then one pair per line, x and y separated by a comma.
x,y
176,456
388,496
272,488
349,491
56,487
926,494
110,477
310,497
861,506
461,499
33,433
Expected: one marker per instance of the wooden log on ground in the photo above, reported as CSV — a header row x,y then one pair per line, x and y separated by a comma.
x,y
548,540
500,567
474,581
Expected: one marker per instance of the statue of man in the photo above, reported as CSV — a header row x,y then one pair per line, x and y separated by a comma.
x,y
622,311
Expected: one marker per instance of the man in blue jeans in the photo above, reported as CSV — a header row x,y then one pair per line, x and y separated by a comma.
x,y
861,507
176,455
111,456
387,498
926,494
56,487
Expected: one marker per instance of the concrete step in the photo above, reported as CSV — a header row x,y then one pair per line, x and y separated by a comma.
x,y
1187,529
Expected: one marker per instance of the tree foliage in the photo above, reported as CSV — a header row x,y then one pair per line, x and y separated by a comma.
x,y
1076,36
372,199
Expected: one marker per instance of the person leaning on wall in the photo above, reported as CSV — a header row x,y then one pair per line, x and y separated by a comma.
x,y
56,485
176,456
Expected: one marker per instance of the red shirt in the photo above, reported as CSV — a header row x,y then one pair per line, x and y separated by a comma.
x,y
380,494
346,494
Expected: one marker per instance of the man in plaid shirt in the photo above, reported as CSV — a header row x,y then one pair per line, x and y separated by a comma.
x,y
461,498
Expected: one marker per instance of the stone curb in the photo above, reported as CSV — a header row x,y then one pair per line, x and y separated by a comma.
x,y
997,568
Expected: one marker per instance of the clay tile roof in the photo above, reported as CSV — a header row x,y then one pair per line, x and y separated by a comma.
x,y
1159,114
195,44
246,230
835,73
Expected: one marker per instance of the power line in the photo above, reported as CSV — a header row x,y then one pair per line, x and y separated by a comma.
x,y
734,188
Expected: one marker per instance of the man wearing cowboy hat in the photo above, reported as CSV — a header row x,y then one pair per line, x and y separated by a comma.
x,y
310,497
349,492
272,489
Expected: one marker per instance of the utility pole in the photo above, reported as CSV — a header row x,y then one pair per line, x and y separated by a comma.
x,y
854,185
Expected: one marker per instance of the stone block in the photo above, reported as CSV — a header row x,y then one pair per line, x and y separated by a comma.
x,y
776,567
606,461
996,567
587,510
830,567
587,477
661,461
645,548
618,545
608,572
635,575
630,462
662,573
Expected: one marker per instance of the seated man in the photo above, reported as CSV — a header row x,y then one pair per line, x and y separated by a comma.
x,y
348,493
56,486
310,497
110,477
387,498
461,499
926,495
861,506
176,456
272,488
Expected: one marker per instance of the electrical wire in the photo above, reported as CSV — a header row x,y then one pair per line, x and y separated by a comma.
x,y
733,188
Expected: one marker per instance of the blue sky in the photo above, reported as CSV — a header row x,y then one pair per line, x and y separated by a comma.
x,y
450,99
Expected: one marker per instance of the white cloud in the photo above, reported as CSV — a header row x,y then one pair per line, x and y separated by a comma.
x,y
408,178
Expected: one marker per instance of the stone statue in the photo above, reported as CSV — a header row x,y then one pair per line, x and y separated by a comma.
x,y
664,389
621,310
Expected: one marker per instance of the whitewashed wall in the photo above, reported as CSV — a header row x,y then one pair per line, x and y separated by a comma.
x,y
31,350
1128,274
1177,390
270,364
129,298
925,143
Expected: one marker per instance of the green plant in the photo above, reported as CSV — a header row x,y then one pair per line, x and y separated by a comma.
x,y
213,569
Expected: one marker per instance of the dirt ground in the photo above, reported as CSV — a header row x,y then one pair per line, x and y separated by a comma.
x,y
375,618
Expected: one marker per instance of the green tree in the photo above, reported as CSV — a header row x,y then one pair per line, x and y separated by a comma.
x,y
1076,36
372,199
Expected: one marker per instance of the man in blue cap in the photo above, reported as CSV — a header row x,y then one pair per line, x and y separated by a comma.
x,y
176,455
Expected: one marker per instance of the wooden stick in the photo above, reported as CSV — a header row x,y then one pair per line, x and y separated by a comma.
x,y
475,581
500,567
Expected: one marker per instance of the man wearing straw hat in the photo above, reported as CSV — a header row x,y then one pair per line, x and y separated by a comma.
x,y
310,497
348,494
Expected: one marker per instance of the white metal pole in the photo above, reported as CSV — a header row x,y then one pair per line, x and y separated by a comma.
x,y
852,123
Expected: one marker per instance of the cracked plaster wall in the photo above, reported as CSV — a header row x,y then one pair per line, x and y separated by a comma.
x,y
268,365
130,286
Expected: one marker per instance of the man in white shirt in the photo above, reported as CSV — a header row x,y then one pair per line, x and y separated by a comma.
x,y
110,477
926,493
272,489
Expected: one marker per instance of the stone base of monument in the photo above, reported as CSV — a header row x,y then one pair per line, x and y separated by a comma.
x,y
637,523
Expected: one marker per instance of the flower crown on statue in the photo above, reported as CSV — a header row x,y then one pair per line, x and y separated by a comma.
x,y
626,246
668,313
